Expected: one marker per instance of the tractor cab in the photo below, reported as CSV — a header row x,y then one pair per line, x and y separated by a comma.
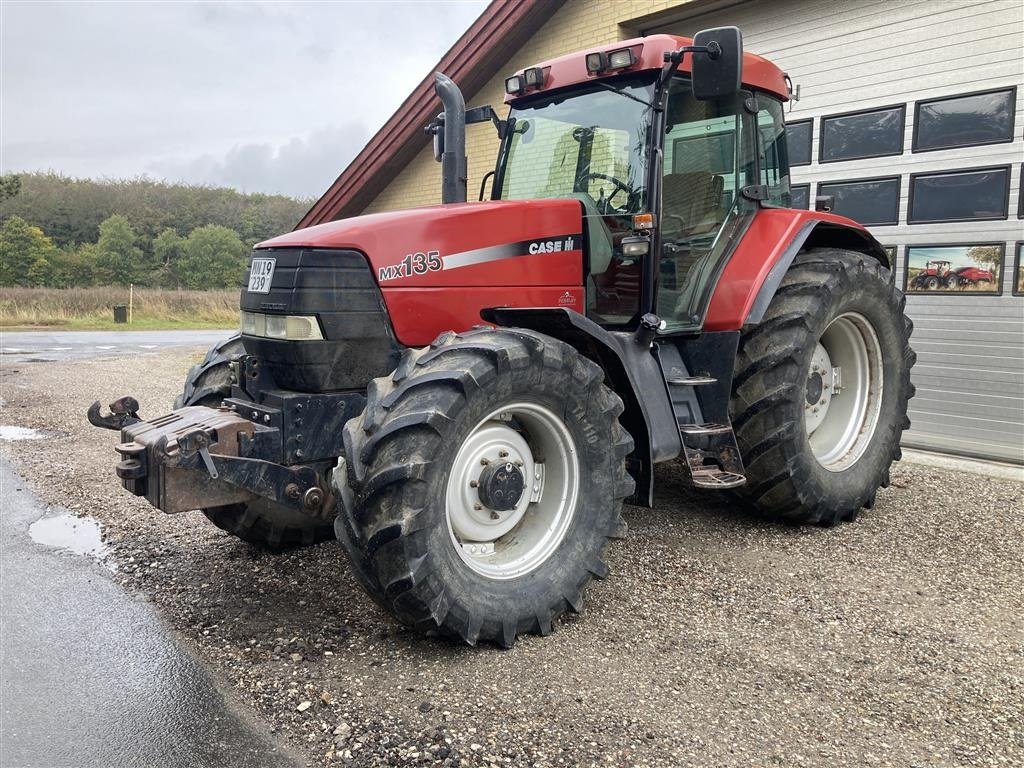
x,y
667,170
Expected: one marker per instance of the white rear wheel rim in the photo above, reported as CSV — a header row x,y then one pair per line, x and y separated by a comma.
x,y
843,392
510,543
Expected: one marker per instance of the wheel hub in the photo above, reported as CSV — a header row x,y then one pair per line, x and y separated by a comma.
x,y
501,486
819,388
482,503
843,391
512,490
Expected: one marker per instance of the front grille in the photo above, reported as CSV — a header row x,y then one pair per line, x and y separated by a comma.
x,y
338,287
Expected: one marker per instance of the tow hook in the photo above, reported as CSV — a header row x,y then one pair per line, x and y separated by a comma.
x,y
123,411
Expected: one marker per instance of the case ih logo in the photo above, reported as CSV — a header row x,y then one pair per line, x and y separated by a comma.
x,y
551,246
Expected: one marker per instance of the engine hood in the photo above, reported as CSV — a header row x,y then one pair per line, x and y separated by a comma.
x,y
459,244
438,267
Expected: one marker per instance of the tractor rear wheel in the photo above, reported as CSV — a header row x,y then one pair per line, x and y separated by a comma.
x,y
260,522
482,483
820,390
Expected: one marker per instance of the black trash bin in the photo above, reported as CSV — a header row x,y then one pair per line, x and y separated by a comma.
x,y
120,313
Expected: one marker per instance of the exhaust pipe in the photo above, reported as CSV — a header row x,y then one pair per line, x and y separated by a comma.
x,y
453,146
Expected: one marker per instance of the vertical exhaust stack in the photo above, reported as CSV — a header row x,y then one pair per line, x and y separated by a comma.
x,y
453,149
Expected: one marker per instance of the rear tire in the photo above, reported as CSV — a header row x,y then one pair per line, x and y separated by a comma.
x,y
813,455
260,522
421,543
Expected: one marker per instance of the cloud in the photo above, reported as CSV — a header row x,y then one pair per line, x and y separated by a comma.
x,y
263,96
301,167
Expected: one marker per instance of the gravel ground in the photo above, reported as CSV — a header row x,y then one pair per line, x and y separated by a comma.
x,y
719,639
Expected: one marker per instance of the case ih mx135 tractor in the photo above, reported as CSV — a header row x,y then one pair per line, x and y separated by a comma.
x,y
464,395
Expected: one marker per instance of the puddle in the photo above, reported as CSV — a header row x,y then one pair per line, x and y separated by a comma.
x,y
20,433
80,535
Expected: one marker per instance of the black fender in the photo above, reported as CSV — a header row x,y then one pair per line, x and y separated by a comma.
x,y
632,371
816,233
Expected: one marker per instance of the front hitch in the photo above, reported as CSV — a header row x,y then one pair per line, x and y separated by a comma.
x,y
123,411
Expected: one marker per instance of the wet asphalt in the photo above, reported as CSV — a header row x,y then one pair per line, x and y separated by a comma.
x,y
55,346
90,676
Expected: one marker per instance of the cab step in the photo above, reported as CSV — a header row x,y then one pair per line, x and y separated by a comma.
x,y
692,381
712,455
716,479
698,430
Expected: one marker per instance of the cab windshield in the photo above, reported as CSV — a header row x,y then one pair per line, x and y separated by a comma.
x,y
590,145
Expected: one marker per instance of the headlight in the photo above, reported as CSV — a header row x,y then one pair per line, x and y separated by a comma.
x,y
288,327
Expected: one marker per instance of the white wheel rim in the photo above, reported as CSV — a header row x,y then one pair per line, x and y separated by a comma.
x,y
843,392
507,544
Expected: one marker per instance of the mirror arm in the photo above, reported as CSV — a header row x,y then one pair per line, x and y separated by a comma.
x,y
485,113
674,58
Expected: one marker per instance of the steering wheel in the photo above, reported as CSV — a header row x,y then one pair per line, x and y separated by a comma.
x,y
620,186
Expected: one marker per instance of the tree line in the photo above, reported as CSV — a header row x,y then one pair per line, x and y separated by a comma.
x,y
62,232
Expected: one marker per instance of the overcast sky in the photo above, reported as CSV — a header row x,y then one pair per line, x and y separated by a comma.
x,y
269,97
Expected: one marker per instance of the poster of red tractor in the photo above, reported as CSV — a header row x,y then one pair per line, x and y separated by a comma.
x,y
954,268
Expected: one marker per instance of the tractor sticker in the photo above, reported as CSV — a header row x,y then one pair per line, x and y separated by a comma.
x,y
413,264
420,263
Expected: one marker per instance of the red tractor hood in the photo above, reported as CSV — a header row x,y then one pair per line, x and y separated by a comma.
x,y
519,233
439,266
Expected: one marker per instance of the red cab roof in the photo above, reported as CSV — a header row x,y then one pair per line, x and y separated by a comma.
x,y
649,53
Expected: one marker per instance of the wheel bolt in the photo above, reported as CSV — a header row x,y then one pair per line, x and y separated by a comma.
x,y
485,461
473,483
495,516
478,506
502,454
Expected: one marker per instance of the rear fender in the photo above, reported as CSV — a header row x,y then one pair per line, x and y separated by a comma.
x,y
756,269
631,371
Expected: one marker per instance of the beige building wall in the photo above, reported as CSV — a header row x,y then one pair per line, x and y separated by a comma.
x,y
576,25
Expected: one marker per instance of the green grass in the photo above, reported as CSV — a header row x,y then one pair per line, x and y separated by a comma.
x,y
91,309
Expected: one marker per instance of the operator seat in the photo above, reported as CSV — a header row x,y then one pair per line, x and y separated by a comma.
x,y
691,202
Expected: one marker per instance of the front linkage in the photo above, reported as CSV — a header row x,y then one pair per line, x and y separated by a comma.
x,y
262,442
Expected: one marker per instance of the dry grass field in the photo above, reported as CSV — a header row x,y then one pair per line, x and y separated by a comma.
x,y
92,308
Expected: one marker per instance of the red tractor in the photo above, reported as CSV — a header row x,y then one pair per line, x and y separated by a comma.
x,y
936,274
465,394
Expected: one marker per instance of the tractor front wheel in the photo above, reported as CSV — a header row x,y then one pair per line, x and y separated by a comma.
x,y
260,522
482,483
820,390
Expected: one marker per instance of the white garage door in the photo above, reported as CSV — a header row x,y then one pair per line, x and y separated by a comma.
x,y
910,116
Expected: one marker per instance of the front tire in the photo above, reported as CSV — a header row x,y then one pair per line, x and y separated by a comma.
x,y
428,452
260,522
820,390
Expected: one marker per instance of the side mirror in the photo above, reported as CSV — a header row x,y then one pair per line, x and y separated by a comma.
x,y
718,71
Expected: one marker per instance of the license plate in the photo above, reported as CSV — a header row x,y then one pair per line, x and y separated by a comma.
x,y
261,275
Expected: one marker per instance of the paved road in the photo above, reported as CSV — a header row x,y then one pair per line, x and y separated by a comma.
x,y
52,346
90,677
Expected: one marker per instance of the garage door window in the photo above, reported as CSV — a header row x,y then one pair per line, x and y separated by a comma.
x,y
964,121
798,140
868,201
801,195
967,195
1018,272
851,136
